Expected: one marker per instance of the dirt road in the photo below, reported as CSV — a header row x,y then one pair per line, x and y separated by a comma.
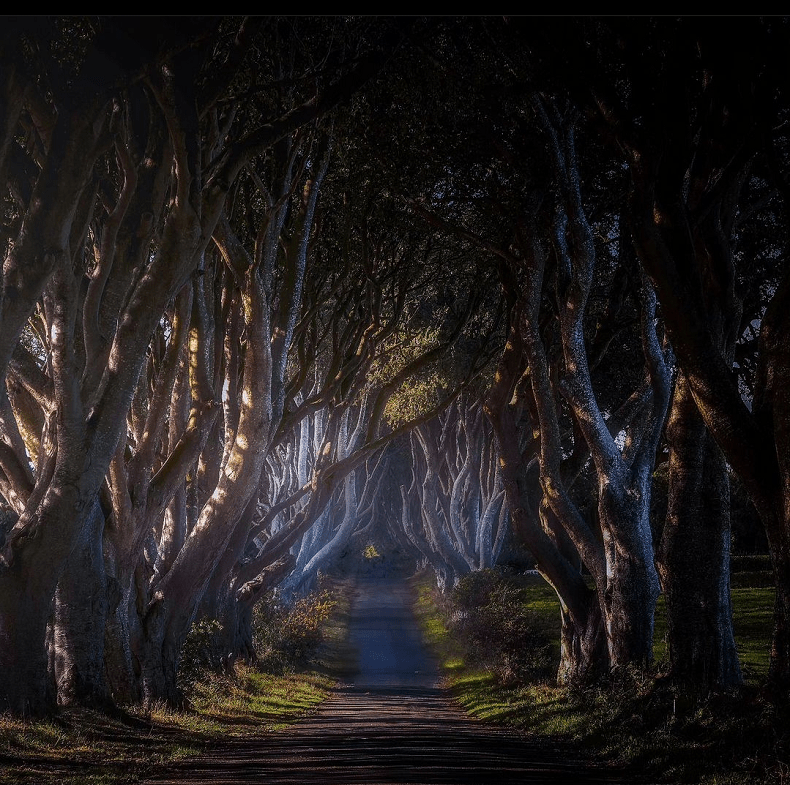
x,y
391,724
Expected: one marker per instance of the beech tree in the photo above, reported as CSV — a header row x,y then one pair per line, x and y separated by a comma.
x,y
352,348
145,97
349,510
222,330
383,358
548,266
698,169
89,383
589,63
697,245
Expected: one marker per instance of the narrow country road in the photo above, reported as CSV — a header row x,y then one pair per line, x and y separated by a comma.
x,y
392,724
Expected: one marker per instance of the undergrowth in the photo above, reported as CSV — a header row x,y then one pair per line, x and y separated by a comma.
x,y
287,636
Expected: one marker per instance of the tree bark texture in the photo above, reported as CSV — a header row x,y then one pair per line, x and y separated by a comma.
x,y
695,553
79,620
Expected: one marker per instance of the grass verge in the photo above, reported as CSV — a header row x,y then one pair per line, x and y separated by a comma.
x,y
639,722
82,747
79,746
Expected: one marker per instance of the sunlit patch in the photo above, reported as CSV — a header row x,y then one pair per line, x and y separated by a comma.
x,y
234,467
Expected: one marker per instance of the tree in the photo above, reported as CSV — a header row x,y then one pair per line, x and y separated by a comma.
x,y
694,165
454,513
87,408
153,91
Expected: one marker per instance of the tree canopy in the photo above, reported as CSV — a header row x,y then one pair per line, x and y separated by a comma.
x,y
274,283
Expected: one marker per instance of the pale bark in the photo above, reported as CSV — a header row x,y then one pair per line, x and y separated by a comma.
x,y
688,189
462,516
43,248
172,598
629,587
96,372
583,651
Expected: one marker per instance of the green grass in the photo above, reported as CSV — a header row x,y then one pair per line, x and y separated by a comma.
x,y
639,722
80,747
249,701
752,623
752,619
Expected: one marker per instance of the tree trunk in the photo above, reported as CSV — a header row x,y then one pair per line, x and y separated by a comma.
x,y
234,640
25,609
34,562
695,552
79,622
583,652
160,652
632,587
243,598
122,679
779,667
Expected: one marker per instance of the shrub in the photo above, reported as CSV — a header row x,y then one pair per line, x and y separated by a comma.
x,y
287,636
498,631
199,655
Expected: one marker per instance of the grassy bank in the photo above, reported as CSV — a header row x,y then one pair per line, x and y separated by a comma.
x,y
79,747
638,721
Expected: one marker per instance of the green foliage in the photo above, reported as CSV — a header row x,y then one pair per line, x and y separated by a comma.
x,y
430,612
286,636
500,633
199,655
414,397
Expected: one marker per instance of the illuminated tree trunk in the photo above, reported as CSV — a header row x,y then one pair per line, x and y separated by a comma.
x,y
632,587
461,515
583,651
